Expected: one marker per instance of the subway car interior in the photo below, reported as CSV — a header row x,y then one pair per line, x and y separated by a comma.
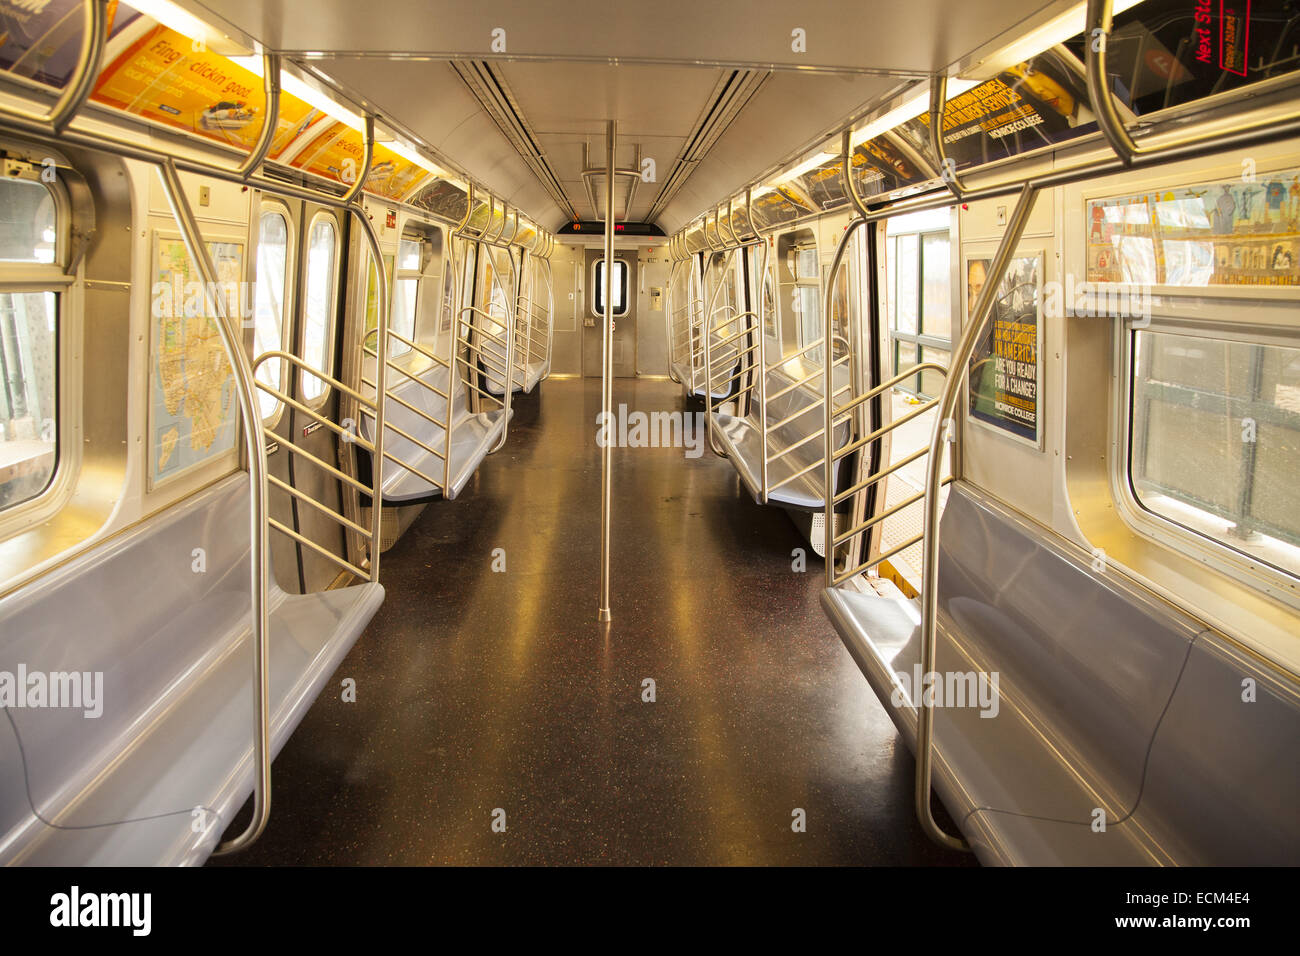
x,y
683,434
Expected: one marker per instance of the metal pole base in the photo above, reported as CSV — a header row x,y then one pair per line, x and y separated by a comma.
x,y
603,616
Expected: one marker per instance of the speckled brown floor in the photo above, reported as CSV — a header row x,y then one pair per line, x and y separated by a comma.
x,y
479,690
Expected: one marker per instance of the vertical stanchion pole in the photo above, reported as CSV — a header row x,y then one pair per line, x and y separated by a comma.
x,y
607,376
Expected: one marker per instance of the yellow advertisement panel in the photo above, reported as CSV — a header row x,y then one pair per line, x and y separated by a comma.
x,y
163,77
337,154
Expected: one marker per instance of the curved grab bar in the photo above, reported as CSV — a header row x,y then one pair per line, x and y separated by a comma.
x,y
270,115
367,157
947,167
94,37
947,402
255,447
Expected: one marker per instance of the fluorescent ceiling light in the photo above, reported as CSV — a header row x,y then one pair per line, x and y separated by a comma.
x,y
307,93
409,154
184,22
1057,30
910,108
807,166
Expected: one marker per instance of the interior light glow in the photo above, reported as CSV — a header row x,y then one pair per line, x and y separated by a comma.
x,y
913,106
182,21
307,93
1057,30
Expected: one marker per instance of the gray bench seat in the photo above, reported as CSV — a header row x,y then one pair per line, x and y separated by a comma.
x,y
1107,699
174,648
741,437
472,436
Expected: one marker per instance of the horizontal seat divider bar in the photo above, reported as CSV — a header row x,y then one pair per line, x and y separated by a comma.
x,y
411,468
730,338
490,361
323,552
324,509
814,406
415,378
714,382
798,474
405,404
315,416
499,399
411,438
886,429
799,444
743,352
427,353
841,578
887,513
883,386
870,480
808,378
315,373
297,450
495,320
802,352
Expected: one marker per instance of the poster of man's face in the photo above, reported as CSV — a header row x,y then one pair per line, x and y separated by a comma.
x,y
977,271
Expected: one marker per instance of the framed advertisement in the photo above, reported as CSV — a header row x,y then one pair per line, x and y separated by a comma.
x,y
193,414
1218,237
1005,382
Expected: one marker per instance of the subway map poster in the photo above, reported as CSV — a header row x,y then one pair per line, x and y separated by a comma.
x,y
193,413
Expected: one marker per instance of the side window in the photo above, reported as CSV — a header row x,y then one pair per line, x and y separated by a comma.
x,y
406,290
619,295
318,308
800,290
918,261
1198,400
29,340
272,291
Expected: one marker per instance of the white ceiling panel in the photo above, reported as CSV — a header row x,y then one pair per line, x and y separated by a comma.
x,y
887,35
515,118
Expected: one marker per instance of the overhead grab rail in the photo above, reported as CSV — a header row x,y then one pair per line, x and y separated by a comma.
x,y
94,37
946,166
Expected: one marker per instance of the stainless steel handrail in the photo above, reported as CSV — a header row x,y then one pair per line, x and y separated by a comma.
x,y
367,157
295,449
270,115
669,312
946,405
708,359
94,37
947,167
255,449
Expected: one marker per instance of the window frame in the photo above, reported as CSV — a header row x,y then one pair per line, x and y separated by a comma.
x,y
398,349
1248,569
597,308
919,340
22,277
277,206
785,311
332,318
